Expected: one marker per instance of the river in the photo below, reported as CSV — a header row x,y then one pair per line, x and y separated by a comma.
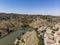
x,y
9,39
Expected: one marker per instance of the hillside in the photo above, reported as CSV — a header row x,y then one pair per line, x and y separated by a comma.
x,y
11,22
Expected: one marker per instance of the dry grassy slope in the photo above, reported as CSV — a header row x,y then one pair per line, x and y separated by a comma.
x,y
20,19
28,38
14,21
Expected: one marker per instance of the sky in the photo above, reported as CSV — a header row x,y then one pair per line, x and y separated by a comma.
x,y
45,7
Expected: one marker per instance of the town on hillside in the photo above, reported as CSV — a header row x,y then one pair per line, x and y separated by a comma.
x,y
34,29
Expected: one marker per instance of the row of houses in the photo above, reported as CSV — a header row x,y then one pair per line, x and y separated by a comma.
x,y
52,35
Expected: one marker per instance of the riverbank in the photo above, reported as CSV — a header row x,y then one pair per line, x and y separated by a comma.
x,y
9,39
